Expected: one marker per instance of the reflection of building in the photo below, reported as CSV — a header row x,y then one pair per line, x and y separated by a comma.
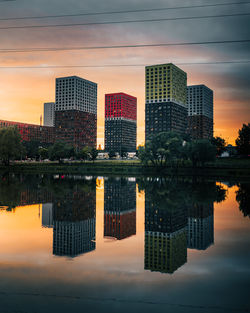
x,y
165,237
200,112
73,238
201,226
120,122
76,111
31,132
74,223
166,103
119,208
48,113
47,215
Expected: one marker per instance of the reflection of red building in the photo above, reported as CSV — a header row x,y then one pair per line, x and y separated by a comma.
x,y
31,132
120,225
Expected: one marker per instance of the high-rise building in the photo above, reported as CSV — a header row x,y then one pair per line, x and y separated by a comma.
x,y
120,122
76,111
48,114
166,99
200,112
119,208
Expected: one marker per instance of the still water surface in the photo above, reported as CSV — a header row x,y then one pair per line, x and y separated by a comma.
x,y
94,244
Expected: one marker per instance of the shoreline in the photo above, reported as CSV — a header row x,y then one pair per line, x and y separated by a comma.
x,y
232,169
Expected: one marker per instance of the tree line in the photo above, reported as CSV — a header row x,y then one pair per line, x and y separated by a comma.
x,y
167,148
13,148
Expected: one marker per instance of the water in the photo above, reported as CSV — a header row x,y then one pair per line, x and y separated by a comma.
x,y
94,244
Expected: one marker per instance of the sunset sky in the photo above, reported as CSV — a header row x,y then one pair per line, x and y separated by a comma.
x,y
23,91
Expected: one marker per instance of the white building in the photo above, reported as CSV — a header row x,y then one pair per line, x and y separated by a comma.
x,y
200,101
48,114
75,93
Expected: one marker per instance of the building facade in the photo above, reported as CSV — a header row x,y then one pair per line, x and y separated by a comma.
x,y
166,103
31,132
200,112
49,114
76,111
120,122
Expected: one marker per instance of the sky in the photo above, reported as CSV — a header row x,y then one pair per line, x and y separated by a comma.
x,y
23,91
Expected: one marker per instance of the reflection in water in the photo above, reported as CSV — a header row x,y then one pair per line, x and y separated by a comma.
x,y
243,198
119,207
74,220
201,226
47,215
178,215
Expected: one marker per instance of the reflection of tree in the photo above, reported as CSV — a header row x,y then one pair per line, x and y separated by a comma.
x,y
171,192
10,192
243,198
20,189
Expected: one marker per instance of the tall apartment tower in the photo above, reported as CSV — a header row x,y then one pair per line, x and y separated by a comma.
x,y
49,114
120,122
76,111
200,112
166,102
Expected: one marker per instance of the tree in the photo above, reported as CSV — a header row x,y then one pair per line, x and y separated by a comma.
x,y
32,148
161,149
43,153
84,153
200,152
10,144
60,151
93,154
243,140
220,145
142,155
124,152
112,154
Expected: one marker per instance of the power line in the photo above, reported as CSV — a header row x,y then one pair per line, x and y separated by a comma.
x,y
125,22
121,12
122,46
119,65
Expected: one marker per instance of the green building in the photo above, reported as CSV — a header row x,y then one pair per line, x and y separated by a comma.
x,y
166,99
165,252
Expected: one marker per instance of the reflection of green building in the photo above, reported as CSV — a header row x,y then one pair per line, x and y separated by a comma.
x,y
165,252
165,236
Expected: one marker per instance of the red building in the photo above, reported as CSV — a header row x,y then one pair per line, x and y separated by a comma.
x,y
120,122
31,132
120,225
120,105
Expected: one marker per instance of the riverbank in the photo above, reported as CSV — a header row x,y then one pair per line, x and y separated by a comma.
x,y
223,168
